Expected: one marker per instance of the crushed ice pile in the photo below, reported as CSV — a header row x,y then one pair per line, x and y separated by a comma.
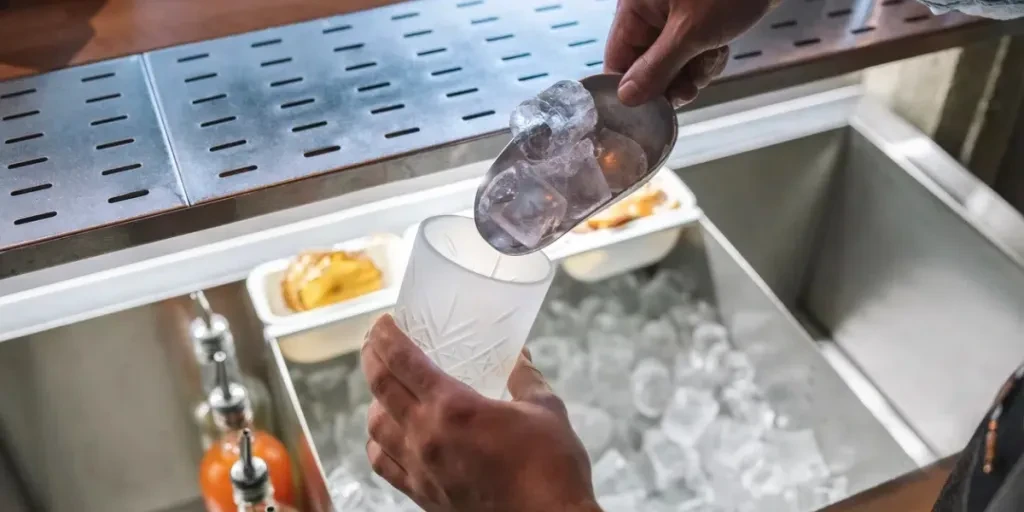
x,y
667,408
571,165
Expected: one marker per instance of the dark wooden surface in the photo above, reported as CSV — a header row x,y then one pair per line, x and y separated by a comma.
x,y
914,492
42,35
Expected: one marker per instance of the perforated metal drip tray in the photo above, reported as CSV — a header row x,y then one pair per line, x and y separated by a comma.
x,y
266,119
81,148
267,107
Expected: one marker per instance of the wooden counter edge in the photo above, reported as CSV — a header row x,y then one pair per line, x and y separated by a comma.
x,y
912,492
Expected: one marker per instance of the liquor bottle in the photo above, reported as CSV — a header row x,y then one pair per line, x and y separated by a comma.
x,y
211,333
251,481
232,413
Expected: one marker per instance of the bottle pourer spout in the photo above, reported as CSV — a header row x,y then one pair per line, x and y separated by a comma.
x,y
202,307
220,359
250,477
248,469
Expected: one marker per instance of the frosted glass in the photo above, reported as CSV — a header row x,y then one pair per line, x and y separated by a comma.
x,y
469,307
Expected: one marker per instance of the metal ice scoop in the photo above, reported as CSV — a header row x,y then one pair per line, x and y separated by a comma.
x,y
652,126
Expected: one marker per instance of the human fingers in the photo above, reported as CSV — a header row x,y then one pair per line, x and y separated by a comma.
x,y
655,69
388,468
389,392
403,358
629,37
706,66
696,75
526,380
386,432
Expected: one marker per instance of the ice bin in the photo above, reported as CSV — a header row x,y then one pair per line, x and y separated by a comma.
x,y
852,440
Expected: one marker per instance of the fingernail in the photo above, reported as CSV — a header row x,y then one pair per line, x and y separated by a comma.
x,y
629,93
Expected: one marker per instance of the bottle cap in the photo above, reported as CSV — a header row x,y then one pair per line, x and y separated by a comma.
x,y
249,475
228,400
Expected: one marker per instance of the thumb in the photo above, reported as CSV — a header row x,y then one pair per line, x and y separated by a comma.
x,y
526,382
653,71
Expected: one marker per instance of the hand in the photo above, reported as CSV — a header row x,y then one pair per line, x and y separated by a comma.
x,y
450,449
675,47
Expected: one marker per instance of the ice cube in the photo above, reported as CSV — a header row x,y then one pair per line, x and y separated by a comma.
x,y
589,307
786,501
709,334
350,491
620,294
706,312
611,387
538,129
621,502
732,445
688,376
355,434
651,384
339,429
658,505
821,495
710,342
561,320
616,323
658,339
344,488
658,295
689,414
684,316
551,123
533,212
764,478
358,389
691,498
549,354
672,463
575,103
694,504
612,359
326,384
798,453
623,161
500,190
573,382
592,425
727,488
613,474
744,402
394,495
738,366
577,177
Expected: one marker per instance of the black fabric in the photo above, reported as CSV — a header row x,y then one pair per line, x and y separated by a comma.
x,y
1010,497
968,488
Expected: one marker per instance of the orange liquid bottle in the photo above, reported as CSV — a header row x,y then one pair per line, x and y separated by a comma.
x,y
252,481
233,415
